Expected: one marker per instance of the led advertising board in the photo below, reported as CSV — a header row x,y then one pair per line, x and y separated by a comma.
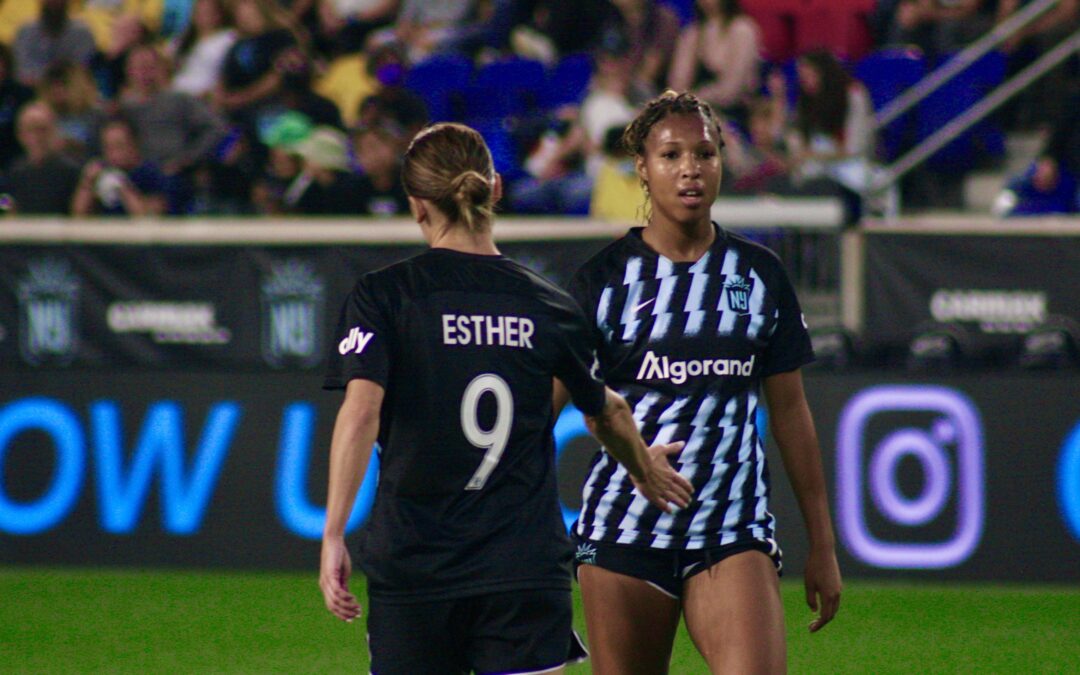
x,y
967,476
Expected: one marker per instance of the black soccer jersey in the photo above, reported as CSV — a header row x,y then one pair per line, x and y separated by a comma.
x,y
466,347
687,345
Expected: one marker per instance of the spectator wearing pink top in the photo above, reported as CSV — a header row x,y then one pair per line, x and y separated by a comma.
x,y
718,57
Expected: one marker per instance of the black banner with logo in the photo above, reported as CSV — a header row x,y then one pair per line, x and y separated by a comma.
x,y
991,288
236,307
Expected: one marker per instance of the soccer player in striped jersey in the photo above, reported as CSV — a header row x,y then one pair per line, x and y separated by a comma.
x,y
448,359
692,324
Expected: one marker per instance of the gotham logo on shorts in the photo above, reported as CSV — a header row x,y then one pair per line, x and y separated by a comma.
x,y
585,554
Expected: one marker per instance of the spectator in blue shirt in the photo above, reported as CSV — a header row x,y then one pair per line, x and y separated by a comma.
x,y
1046,187
121,182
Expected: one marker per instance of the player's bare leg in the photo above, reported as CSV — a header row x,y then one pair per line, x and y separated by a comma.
x,y
735,617
631,624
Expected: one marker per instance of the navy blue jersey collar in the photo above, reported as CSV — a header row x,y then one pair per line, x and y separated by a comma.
x,y
637,242
462,255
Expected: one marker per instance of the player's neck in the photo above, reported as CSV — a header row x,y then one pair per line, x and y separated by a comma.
x,y
463,240
679,242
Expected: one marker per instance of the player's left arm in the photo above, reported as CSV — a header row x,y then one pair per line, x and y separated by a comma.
x,y
355,431
560,396
793,428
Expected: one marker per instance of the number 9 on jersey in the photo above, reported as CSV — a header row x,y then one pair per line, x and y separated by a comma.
x,y
492,440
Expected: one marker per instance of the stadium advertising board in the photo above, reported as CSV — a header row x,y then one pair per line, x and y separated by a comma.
x,y
242,307
991,288
964,477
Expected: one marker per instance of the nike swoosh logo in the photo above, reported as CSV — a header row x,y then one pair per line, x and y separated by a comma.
x,y
642,305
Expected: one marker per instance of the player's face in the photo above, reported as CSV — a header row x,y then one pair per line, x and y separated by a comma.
x,y
681,167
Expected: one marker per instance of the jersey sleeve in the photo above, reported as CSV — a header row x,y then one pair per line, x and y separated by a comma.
x,y
360,346
579,368
789,345
582,292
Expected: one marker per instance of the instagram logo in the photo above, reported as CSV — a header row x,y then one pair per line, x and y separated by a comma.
x,y
948,450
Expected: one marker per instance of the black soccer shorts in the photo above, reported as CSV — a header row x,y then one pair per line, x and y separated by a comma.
x,y
528,631
665,569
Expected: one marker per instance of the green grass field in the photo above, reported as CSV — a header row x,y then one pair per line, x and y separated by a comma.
x,y
58,621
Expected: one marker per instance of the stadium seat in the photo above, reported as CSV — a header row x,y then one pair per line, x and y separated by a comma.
x,y
500,140
952,99
567,82
887,73
440,81
503,88
684,9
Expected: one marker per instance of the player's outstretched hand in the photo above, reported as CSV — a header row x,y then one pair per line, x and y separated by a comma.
x,y
663,485
334,569
823,585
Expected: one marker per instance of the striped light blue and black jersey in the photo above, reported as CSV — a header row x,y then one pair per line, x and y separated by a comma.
x,y
687,345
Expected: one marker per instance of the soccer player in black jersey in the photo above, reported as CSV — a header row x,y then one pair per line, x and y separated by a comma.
x,y
691,324
447,360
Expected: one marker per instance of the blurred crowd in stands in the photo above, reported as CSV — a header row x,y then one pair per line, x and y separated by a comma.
x,y
222,107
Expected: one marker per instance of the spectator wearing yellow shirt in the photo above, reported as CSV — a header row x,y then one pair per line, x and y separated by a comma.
x,y
98,15
110,20
14,14
617,193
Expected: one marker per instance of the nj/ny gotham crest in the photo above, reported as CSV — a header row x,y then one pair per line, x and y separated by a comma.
x,y
292,298
738,293
48,304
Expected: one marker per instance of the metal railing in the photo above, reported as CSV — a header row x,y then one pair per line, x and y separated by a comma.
x,y
881,186
961,60
970,117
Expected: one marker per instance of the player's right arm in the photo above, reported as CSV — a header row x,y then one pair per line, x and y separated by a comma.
x,y
355,431
650,469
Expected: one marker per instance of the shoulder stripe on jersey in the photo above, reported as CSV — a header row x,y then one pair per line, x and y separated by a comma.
x,y
702,264
629,319
695,300
602,308
662,308
633,271
757,304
